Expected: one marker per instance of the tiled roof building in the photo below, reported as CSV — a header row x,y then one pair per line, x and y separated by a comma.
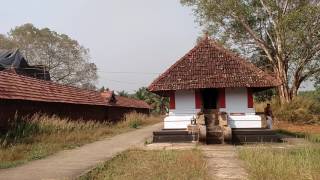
x,y
26,95
209,65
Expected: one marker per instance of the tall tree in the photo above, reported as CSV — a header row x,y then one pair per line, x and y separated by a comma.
x,y
285,33
67,61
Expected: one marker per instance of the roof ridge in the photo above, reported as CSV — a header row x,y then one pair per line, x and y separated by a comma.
x,y
180,60
47,82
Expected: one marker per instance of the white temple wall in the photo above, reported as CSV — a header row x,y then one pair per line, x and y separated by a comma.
x,y
237,101
185,103
181,116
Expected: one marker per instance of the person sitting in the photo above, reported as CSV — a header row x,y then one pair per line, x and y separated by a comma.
x,y
269,115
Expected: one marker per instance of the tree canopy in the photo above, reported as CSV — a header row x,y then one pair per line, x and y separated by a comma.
x,y
159,104
284,36
67,61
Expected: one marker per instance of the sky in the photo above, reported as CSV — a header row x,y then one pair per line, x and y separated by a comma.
x,y
131,42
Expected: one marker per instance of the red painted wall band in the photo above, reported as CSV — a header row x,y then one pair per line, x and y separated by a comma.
x,y
198,99
172,100
222,98
250,98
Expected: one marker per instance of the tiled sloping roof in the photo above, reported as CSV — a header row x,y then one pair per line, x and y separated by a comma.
x,y
121,101
14,86
129,102
209,65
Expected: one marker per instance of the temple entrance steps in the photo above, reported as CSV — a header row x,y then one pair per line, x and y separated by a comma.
x,y
174,135
251,135
214,134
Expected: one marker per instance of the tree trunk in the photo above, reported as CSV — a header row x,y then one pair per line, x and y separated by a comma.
x,y
283,89
284,94
295,86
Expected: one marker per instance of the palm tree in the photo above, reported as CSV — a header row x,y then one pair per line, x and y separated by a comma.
x,y
158,103
123,93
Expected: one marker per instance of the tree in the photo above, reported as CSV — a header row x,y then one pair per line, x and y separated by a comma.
x,y
102,89
67,61
283,33
123,93
159,104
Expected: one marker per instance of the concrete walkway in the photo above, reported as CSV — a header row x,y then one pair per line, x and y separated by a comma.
x,y
223,162
69,164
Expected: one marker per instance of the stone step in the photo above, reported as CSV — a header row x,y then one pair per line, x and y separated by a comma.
x,y
171,132
253,131
254,138
214,140
214,135
175,138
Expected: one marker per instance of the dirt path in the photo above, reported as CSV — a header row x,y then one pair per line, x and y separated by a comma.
x,y
223,162
69,164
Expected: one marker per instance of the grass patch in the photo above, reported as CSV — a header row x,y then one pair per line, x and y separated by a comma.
x,y
308,136
40,136
264,162
156,164
289,133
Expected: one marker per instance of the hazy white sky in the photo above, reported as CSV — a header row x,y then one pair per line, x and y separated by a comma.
x,y
131,41
142,36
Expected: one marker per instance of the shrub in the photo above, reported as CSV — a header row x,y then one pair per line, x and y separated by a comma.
x,y
301,109
22,128
133,120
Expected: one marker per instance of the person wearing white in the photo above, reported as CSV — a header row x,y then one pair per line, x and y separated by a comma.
x,y
269,115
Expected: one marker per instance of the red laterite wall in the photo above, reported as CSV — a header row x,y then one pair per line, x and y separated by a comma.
x,y
8,109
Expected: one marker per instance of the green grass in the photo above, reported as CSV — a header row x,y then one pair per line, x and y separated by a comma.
x,y
40,136
313,138
265,162
289,133
156,164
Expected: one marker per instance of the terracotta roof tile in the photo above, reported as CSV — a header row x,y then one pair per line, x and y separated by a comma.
x,y
14,86
209,65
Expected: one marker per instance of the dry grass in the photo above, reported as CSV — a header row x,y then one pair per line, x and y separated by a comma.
x,y
41,136
302,128
264,162
162,164
309,132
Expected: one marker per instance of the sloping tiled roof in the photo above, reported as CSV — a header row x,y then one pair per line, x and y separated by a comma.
x,y
209,65
129,102
120,101
14,86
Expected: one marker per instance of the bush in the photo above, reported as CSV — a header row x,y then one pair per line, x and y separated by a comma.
x,y
22,128
302,109
18,129
134,120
